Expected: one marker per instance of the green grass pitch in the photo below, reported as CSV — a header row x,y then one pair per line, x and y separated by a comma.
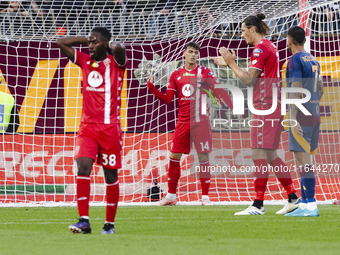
x,y
170,230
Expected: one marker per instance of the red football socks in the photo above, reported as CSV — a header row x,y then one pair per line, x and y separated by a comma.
x,y
261,178
83,195
112,197
173,175
204,176
283,175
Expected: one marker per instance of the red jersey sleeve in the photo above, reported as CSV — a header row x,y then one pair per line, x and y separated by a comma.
x,y
172,82
258,57
209,78
165,98
80,58
225,97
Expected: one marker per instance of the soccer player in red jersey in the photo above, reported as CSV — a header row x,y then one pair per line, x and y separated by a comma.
x,y
100,135
262,74
193,125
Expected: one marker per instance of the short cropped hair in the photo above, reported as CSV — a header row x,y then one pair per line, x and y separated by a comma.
x,y
193,45
104,32
297,34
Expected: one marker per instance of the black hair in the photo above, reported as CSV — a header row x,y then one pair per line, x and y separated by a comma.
x,y
258,23
193,45
297,34
104,32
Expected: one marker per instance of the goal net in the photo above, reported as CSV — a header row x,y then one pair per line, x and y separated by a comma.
x,y
37,160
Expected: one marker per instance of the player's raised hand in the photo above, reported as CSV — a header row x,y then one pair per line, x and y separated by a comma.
x,y
219,61
151,79
228,57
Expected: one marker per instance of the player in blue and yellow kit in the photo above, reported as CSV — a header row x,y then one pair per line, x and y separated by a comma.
x,y
303,71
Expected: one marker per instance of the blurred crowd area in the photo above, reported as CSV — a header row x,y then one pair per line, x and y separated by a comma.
x,y
147,19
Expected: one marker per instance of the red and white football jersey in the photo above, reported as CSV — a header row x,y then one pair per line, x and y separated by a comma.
x,y
190,85
265,58
102,86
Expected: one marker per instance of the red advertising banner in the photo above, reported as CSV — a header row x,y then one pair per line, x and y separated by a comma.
x,y
41,168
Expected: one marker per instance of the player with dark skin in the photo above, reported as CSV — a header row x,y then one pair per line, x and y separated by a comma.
x,y
99,136
98,50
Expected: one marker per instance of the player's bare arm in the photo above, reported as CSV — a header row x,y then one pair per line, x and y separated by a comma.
x,y
294,109
227,58
66,43
118,52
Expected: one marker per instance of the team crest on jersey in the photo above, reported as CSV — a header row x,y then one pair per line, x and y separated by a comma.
x,y
77,150
107,62
95,79
187,90
212,74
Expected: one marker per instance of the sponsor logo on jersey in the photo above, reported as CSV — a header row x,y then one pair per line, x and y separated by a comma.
x,y
258,51
189,74
255,55
187,90
187,98
95,79
254,62
95,89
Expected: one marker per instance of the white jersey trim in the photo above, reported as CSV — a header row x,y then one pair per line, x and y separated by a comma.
x,y
75,56
197,115
107,107
255,68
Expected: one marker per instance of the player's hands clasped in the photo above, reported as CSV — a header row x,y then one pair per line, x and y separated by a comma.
x,y
228,57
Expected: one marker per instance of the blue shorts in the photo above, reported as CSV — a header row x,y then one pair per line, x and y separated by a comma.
x,y
308,142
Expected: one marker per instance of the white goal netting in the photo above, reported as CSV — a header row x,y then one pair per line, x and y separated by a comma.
x,y
36,161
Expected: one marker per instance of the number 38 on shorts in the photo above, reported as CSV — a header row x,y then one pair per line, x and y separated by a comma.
x,y
108,160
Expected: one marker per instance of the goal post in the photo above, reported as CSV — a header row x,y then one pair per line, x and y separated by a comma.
x,y
37,162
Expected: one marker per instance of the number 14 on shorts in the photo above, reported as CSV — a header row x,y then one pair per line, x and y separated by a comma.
x,y
204,146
